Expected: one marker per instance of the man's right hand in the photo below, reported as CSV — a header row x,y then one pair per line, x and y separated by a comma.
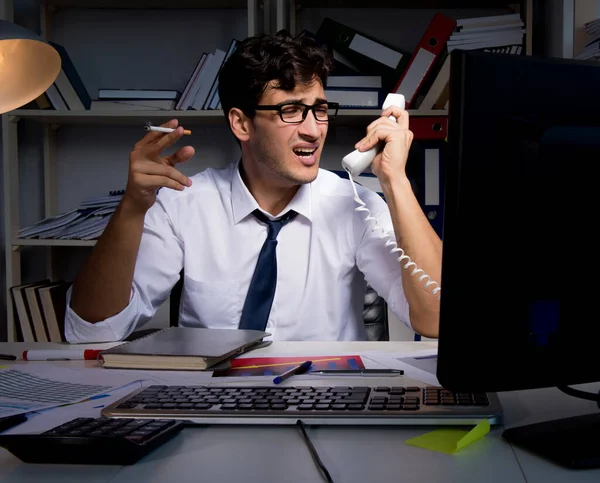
x,y
148,170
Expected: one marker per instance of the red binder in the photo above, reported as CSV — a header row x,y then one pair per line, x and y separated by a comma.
x,y
425,56
428,127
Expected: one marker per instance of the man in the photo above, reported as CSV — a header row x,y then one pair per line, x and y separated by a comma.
x,y
214,224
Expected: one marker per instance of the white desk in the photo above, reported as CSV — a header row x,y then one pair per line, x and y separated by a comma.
x,y
266,454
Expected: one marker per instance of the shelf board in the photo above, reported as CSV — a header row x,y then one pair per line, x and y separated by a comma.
x,y
190,117
147,4
119,117
214,4
421,4
35,242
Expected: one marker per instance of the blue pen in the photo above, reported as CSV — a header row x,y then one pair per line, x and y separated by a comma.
x,y
301,369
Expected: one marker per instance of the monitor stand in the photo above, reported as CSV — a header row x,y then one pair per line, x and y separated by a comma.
x,y
571,442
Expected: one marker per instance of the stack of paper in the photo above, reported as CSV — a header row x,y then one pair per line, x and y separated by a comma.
x,y
498,31
592,48
86,222
33,387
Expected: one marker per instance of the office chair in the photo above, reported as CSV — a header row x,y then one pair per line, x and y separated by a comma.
x,y
375,312
375,315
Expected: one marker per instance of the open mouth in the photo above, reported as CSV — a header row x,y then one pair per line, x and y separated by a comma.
x,y
304,153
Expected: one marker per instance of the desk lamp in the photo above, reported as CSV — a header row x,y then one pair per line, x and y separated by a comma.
x,y
28,66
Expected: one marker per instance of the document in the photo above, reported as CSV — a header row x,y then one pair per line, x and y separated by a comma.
x,y
21,392
45,419
420,365
35,386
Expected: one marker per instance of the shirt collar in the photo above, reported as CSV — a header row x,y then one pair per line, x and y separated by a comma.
x,y
243,203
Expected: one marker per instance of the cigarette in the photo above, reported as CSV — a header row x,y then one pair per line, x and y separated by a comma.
x,y
165,129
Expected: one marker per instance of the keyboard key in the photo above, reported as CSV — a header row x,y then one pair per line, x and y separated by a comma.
x,y
410,407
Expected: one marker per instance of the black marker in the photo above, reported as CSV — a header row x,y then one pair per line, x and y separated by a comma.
x,y
301,369
359,372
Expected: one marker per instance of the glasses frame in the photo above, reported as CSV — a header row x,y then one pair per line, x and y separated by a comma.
x,y
307,107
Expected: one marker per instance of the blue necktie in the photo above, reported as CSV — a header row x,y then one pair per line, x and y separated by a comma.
x,y
261,292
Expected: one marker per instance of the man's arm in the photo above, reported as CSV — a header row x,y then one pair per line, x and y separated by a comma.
x,y
102,289
413,231
103,286
421,243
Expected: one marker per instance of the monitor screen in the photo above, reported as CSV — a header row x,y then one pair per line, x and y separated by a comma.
x,y
519,301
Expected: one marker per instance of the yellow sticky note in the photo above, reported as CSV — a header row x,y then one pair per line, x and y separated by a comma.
x,y
449,440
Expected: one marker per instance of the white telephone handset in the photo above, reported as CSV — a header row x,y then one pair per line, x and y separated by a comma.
x,y
355,163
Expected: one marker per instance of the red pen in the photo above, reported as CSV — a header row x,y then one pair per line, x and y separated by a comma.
x,y
61,355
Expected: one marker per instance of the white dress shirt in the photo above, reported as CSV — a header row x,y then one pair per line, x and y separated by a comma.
x,y
324,256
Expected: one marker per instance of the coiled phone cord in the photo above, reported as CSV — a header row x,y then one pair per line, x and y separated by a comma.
x,y
391,243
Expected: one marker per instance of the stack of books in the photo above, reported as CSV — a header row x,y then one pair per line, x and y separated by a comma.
x,y
67,93
201,90
39,309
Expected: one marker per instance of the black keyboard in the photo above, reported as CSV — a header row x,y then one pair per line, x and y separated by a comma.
x,y
92,441
328,404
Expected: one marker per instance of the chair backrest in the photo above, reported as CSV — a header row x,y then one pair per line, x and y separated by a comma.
x,y
375,315
374,312
175,301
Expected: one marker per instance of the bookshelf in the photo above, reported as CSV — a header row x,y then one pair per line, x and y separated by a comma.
x,y
158,4
50,122
266,15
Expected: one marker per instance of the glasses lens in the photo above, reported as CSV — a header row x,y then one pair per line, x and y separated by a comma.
x,y
322,112
292,113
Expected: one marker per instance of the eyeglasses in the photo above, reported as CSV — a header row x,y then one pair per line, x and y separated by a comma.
x,y
296,112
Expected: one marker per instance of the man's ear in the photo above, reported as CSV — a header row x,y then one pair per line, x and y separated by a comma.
x,y
240,124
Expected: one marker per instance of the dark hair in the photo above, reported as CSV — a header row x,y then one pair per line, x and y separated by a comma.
x,y
262,58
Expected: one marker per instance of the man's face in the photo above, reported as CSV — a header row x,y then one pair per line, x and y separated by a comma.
x,y
288,154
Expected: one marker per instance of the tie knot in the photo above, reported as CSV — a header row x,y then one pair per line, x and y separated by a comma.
x,y
274,226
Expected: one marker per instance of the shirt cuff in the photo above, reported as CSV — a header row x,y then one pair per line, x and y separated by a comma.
x,y
398,304
112,329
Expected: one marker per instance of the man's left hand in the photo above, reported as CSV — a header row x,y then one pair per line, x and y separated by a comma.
x,y
396,138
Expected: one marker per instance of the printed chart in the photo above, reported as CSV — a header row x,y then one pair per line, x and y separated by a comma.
x,y
273,366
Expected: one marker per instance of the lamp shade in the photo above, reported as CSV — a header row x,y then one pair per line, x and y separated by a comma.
x,y
28,66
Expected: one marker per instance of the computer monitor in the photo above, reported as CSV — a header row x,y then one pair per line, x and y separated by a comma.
x,y
519,305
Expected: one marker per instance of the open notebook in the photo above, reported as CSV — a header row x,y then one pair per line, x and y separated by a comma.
x,y
182,348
